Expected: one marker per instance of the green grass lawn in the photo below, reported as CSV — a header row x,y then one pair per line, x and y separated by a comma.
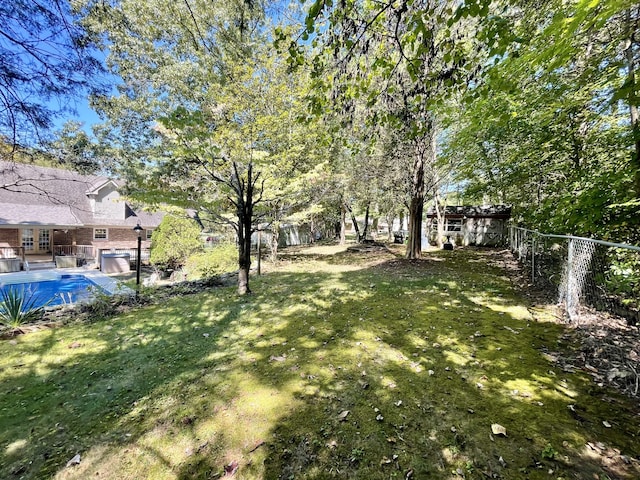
x,y
340,365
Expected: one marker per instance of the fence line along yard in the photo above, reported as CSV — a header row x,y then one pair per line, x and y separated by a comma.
x,y
587,274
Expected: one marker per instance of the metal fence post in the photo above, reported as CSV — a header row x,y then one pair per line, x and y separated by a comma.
x,y
570,300
581,272
533,259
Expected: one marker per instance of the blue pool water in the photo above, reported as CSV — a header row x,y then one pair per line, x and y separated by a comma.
x,y
66,289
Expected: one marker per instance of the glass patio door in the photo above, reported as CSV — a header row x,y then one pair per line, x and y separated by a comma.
x,y
35,240
44,241
27,240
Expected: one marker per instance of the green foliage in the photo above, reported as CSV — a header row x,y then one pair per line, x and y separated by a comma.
x,y
222,258
547,130
175,239
548,452
17,307
75,150
623,275
104,305
46,62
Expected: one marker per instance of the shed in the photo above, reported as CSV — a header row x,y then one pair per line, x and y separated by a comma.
x,y
484,225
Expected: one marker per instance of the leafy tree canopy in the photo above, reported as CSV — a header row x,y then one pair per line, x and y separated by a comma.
x,y
45,62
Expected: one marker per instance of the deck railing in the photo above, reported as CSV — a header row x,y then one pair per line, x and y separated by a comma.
x,y
12,252
81,251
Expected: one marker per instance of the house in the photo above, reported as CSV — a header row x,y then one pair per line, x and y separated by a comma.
x,y
471,225
48,212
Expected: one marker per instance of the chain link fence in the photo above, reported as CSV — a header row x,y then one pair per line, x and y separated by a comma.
x,y
583,273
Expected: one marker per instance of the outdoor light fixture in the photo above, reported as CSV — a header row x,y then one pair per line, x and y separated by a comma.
x,y
138,229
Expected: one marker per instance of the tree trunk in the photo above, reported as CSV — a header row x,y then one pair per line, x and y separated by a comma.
x,y
440,215
275,240
356,227
416,205
424,156
244,254
630,43
363,237
389,218
244,207
343,224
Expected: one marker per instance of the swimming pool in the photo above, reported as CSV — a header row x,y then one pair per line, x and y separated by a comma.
x,y
64,289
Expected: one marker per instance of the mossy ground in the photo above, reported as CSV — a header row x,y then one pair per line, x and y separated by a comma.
x,y
339,365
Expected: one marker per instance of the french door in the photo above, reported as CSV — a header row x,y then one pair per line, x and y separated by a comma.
x,y
36,240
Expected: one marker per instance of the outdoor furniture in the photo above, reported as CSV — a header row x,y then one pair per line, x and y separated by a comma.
x,y
66,261
8,265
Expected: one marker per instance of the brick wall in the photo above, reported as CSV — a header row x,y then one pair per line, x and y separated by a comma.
x,y
123,234
9,237
62,238
84,236
117,238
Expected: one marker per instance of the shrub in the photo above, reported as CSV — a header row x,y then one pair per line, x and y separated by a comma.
x,y
175,239
17,307
220,259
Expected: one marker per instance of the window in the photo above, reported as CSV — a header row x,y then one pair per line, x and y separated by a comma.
x,y
43,240
27,239
99,233
149,233
454,225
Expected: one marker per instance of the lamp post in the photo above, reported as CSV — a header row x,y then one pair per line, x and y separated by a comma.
x,y
138,230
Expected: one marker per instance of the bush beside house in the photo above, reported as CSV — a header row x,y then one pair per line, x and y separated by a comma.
x,y
218,260
174,241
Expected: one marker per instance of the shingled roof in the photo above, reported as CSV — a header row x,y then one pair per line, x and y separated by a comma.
x,y
31,195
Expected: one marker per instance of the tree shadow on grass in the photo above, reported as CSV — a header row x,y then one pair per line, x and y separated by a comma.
x,y
423,356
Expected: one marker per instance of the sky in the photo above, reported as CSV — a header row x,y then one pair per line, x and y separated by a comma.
x,y
83,114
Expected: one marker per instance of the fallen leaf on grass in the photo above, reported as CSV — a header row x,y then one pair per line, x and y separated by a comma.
x,y
75,345
343,416
74,461
257,446
498,429
231,469
280,358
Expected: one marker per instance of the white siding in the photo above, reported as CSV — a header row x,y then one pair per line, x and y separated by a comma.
x,y
108,204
